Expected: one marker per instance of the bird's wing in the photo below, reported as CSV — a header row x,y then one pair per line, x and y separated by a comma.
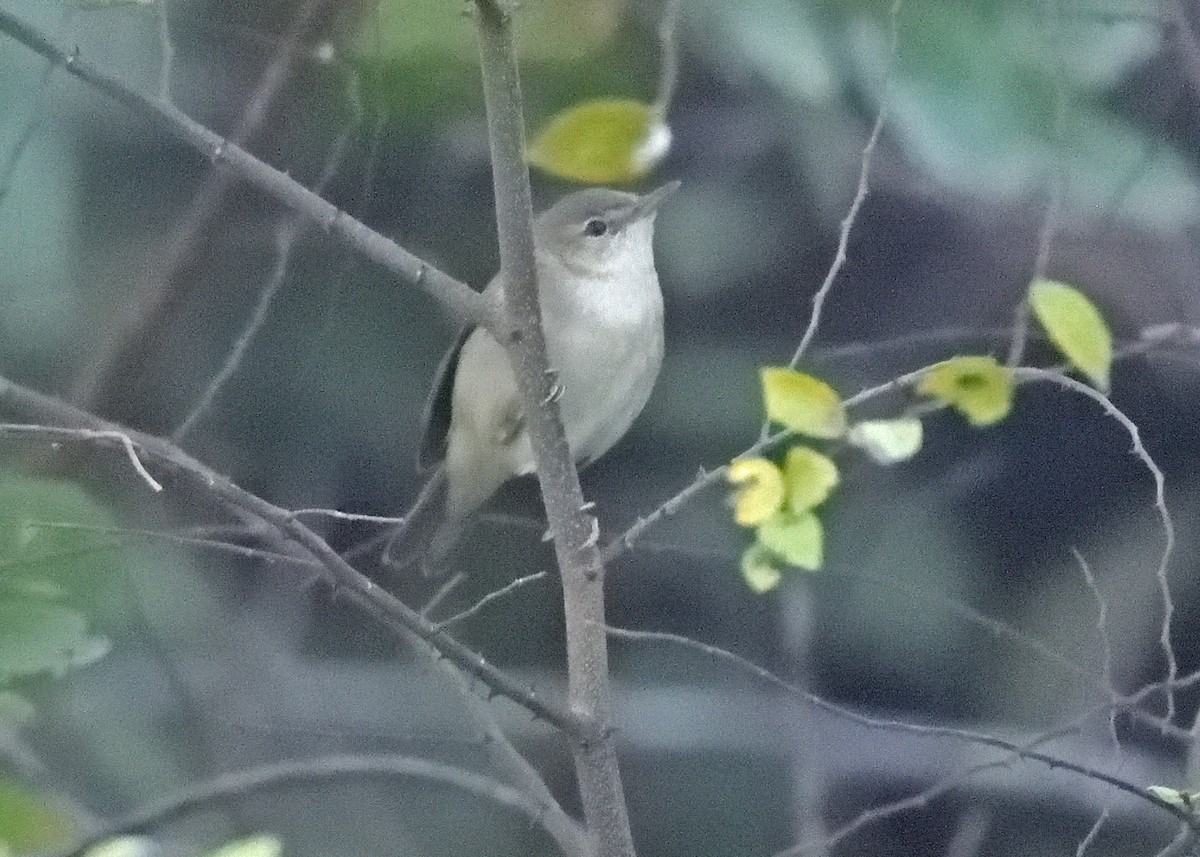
x,y
435,418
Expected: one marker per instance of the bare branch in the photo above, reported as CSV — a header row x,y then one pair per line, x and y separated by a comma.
x,y
384,607
1023,751
285,239
1029,373
123,535
668,38
1058,182
860,196
454,296
166,47
31,126
571,524
239,784
160,290
337,515
57,434
1185,38
507,589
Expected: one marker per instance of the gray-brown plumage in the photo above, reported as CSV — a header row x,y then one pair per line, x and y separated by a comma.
x,y
602,313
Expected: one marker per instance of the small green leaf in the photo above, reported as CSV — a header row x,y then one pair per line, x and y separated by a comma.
x,y
887,441
259,845
603,141
53,560
796,539
37,637
760,569
802,403
761,490
1076,328
809,476
979,388
27,821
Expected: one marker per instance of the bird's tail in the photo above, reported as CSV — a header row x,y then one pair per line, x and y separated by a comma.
x,y
409,543
414,541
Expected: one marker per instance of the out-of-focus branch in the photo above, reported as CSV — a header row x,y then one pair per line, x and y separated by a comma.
x,y
458,299
236,784
160,291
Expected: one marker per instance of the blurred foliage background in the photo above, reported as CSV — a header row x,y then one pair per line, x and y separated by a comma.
x,y
129,268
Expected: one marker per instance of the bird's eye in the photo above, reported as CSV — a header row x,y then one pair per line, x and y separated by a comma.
x,y
595,227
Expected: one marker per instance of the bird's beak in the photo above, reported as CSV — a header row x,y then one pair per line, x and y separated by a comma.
x,y
644,206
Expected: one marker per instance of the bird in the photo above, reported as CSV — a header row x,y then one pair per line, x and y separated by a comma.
x,y
602,315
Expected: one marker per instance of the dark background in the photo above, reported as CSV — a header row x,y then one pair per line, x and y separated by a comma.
x,y
219,663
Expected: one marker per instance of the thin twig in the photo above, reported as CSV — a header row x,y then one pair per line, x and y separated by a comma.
x,y
455,297
166,47
1101,627
1150,340
860,195
234,785
386,520
285,240
122,535
1106,671
920,800
507,589
160,291
668,39
443,592
1029,373
346,580
970,829
1176,845
1024,751
283,244
1058,184
35,121
58,434
1185,37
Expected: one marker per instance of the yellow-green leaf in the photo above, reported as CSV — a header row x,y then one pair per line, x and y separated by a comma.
x,y
603,141
796,539
761,490
887,441
802,403
28,822
760,569
809,477
1076,328
977,387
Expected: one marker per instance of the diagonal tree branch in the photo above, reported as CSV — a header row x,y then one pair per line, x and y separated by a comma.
x,y
1025,750
391,612
458,299
159,290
